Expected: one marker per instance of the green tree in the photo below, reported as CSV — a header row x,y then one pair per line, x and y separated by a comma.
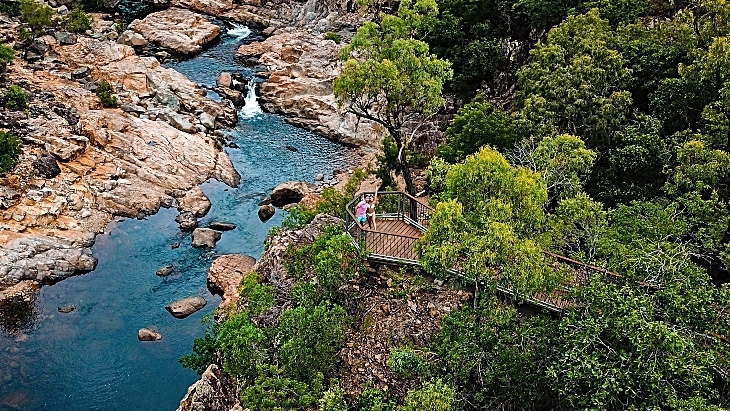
x,y
242,345
476,124
105,92
10,148
575,83
487,225
389,77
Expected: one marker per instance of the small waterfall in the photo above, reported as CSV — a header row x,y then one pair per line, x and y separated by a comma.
x,y
239,31
250,105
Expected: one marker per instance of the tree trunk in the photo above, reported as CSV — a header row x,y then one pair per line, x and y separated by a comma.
x,y
403,161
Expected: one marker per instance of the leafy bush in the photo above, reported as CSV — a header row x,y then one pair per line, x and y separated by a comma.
x,y
37,17
77,21
407,363
7,55
15,98
242,345
260,297
105,92
374,400
311,338
435,396
333,399
333,36
204,354
272,391
10,146
120,26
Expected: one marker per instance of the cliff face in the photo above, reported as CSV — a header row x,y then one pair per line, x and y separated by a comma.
x,y
82,164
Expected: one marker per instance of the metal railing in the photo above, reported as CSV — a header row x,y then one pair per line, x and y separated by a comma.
x,y
386,246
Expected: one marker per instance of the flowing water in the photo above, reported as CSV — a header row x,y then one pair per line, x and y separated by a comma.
x,y
90,359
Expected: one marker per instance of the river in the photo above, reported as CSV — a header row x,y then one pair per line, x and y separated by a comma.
x,y
90,358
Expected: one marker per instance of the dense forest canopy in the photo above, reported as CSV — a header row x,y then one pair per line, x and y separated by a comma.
x,y
597,130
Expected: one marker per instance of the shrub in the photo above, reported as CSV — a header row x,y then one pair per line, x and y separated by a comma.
x,y
242,345
37,16
435,396
120,26
407,363
77,21
7,55
204,353
311,338
10,146
272,391
372,399
260,297
15,98
333,36
105,92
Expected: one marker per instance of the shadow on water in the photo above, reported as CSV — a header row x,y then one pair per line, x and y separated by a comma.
x,y
90,358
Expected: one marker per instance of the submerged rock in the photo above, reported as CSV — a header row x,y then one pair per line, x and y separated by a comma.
x,y
165,271
187,221
186,306
66,308
146,334
205,238
222,226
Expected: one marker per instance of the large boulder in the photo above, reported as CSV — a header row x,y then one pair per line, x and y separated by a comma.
x,y
186,306
288,193
266,212
130,38
187,221
226,273
205,238
195,202
47,166
178,30
224,80
221,226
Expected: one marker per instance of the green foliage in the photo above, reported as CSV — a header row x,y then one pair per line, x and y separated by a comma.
x,y
273,391
105,92
407,363
11,8
260,297
37,17
436,175
15,98
477,124
10,148
333,399
433,396
483,227
310,339
575,83
120,26
77,21
204,354
374,400
7,55
620,11
243,346
333,36
389,76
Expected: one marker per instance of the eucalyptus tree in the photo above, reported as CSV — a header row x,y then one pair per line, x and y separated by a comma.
x,y
390,78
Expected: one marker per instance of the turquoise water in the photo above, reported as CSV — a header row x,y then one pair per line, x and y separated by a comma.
x,y
90,359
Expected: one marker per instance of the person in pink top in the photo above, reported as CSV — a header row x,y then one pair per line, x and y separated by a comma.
x,y
361,210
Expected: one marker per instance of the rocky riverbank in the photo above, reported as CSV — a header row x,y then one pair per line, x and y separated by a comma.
x,y
82,164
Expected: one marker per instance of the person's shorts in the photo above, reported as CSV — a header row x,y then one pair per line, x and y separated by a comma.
x,y
362,219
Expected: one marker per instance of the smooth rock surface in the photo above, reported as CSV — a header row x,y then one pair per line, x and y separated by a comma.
x,y
225,275
205,238
186,306
195,202
146,334
179,30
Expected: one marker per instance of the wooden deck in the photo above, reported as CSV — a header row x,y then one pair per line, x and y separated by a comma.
x,y
392,238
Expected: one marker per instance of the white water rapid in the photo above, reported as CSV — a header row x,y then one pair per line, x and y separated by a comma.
x,y
251,107
239,31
